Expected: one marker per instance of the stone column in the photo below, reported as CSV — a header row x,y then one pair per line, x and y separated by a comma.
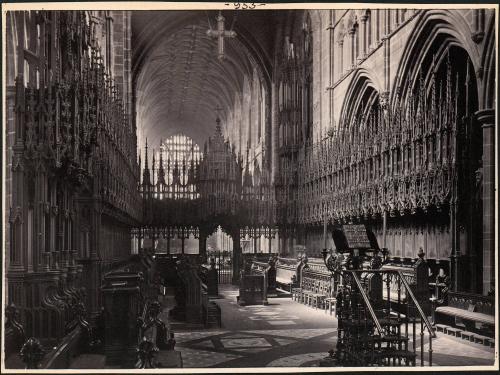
x,y
477,25
341,57
363,38
236,255
202,242
375,17
331,66
486,118
352,34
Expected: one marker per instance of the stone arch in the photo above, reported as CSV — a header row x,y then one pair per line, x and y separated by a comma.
x,y
448,27
442,36
363,89
488,63
315,16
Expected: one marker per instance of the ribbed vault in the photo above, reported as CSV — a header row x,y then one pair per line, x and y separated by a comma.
x,y
179,82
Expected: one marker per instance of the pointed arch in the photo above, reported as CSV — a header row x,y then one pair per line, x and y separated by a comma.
x,y
361,95
442,27
488,62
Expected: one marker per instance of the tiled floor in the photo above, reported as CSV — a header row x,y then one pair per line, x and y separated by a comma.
x,y
247,348
288,334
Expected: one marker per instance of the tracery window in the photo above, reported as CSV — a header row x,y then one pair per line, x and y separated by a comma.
x,y
176,162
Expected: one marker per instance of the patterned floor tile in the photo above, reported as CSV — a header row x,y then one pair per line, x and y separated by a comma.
x,y
238,335
244,342
296,333
247,341
195,358
250,350
284,341
181,337
296,360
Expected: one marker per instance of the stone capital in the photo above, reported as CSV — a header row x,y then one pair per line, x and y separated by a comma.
x,y
486,117
477,36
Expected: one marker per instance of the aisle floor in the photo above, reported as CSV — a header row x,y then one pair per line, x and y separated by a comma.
x,y
286,333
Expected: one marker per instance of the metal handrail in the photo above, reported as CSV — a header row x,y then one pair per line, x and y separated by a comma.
x,y
422,314
410,292
367,303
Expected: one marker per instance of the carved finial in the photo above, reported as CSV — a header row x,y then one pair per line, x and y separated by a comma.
x,y
146,351
154,309
421,253
218,129
12,314
32,353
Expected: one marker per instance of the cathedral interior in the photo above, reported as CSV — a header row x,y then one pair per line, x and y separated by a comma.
x,y
247,188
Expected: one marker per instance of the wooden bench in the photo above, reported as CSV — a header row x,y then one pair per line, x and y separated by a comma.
x,y
288,274
416,273
316,285
471,312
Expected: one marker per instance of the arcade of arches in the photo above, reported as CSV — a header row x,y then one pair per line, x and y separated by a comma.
x,y
137,139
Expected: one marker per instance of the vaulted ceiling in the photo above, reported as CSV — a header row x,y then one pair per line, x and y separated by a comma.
x,y
178,78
